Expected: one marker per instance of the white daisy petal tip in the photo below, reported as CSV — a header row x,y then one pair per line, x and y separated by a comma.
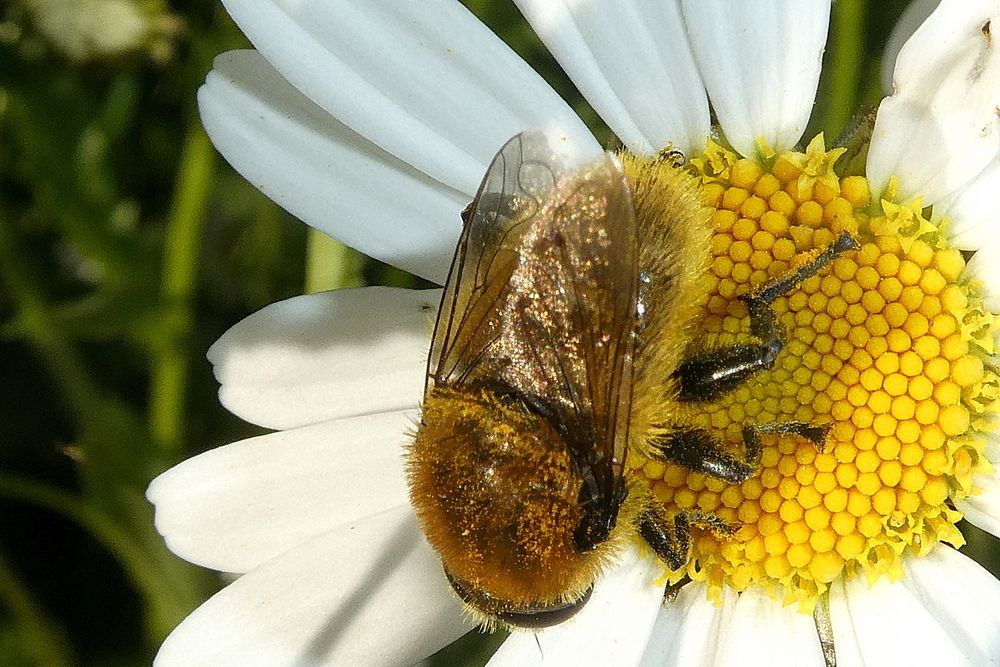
x,y
237,506
325,356
324,173
448,92
940,126
911,19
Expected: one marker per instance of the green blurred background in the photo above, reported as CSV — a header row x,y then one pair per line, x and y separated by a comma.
x,y
127,246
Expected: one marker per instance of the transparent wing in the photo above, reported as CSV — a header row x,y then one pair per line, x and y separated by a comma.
x,y
509,197
541,302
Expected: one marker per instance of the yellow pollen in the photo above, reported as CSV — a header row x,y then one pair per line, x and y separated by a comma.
x,y
886,346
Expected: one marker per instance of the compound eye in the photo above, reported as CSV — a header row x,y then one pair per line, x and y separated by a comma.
x,y
529,617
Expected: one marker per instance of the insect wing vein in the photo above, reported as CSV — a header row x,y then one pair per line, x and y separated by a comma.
x,y
542,297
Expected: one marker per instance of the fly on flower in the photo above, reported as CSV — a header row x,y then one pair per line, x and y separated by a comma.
x,y
892,348
566,338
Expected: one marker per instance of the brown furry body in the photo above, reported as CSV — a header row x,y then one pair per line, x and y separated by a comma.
x,y
492,482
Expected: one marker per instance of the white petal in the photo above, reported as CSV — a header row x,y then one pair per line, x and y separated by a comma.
x,y
424,80
321,357
963,597
887,624
985,267
687,629
939,128
983,509
325,173
845,640
761,64
611,629
911,18
973,210
761,632
370,593
632,61
235,507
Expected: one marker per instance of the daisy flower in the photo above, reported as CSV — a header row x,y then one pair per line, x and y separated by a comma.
x,y
374,121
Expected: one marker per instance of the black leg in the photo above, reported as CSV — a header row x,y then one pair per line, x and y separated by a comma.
x,y
711,375
671,538
708,376
696,449
814,434
768,293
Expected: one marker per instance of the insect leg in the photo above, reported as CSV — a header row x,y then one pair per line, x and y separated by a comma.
x,y
752,433
671,538
759,301
812,433
714,374
708,376
696,449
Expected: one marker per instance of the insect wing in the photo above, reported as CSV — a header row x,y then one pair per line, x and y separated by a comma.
x,y
570,329
467,327
541,300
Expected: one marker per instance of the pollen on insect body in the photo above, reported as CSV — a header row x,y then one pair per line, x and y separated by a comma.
x,y
890,346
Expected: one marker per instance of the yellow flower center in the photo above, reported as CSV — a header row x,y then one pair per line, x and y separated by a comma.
x,y
888,346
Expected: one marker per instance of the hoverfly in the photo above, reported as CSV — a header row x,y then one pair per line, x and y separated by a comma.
x,y
563,339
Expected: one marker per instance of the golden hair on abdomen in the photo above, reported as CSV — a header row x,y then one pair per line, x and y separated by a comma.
x,y
508,528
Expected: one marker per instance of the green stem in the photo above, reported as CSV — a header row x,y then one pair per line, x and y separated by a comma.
x,y
844,61
42,636
182,245
330,264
